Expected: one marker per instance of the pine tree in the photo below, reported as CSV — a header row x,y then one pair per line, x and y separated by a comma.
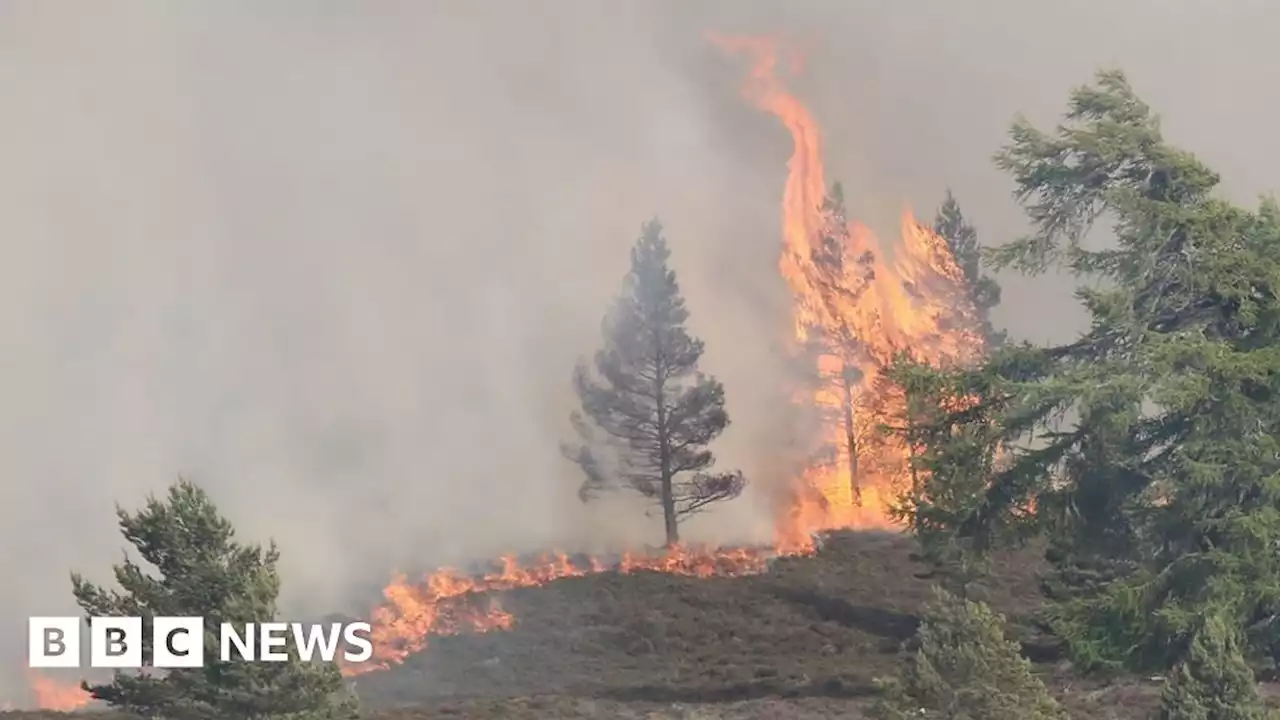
x,y
1148,448
840,280
953,456
1214,682
962,238
658,413
965,668
204,571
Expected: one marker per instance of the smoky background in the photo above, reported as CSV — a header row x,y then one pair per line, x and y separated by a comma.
x,y
335,261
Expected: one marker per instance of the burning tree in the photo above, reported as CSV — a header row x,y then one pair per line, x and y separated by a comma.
x,y
657,412
983,290
861,300
840,275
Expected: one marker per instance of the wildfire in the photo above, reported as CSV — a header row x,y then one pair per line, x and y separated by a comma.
x,y
858,303
449,602
854,311
51,694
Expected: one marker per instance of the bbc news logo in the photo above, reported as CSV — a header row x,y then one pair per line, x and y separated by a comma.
x,y
178,642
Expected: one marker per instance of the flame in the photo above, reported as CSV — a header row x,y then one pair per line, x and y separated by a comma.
x,y
449,602
51,694
915,301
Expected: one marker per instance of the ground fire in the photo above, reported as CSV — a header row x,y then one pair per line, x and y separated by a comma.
x,y
53,694
858,302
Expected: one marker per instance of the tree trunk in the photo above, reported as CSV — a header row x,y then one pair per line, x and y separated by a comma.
x,y
664,468
851,443
911,452
669,511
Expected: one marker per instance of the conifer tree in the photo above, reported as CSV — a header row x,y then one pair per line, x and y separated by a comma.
x,y
204,571
965,668
962,238
1213,682
656,413
953,456
840,279
1147,449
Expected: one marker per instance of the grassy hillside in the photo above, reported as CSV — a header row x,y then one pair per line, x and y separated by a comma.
x,y
823,625
801,641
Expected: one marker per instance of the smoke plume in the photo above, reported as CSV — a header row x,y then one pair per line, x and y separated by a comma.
x,y
335,261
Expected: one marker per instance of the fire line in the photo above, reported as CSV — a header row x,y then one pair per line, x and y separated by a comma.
x,y
913,300
906,295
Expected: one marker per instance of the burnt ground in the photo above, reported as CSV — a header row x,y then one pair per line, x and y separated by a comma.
x,y
803,641
811,626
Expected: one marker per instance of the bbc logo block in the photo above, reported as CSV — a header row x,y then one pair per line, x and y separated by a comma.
x,y
179,642
115,642
53,642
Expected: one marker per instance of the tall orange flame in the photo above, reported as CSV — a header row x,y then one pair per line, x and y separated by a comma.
x,y
909,297
875,301
879,300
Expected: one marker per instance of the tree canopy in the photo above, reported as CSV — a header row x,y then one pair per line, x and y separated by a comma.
x,y
962,238
1147,450
964,667
840,279
204,571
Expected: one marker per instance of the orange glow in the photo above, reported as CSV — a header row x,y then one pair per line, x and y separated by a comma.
x,y
448,602
51,694
915,302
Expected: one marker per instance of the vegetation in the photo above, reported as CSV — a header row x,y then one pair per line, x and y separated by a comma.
x,y
805,640
1212,682
1142,457
658,413
203,571
955,455
962,238
840,279
965,668
1145,452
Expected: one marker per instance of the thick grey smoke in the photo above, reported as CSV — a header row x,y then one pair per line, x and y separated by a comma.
x,y
335,260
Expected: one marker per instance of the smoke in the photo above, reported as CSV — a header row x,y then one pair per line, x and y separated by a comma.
x,y
335,261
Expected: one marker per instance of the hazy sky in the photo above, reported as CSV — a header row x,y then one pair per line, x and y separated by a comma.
x,y
335,260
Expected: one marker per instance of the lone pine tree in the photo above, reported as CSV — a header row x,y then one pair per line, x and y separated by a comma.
x,y
656,412
203,571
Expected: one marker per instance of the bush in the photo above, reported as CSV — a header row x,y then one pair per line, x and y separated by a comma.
x,y
965,669
1214,682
